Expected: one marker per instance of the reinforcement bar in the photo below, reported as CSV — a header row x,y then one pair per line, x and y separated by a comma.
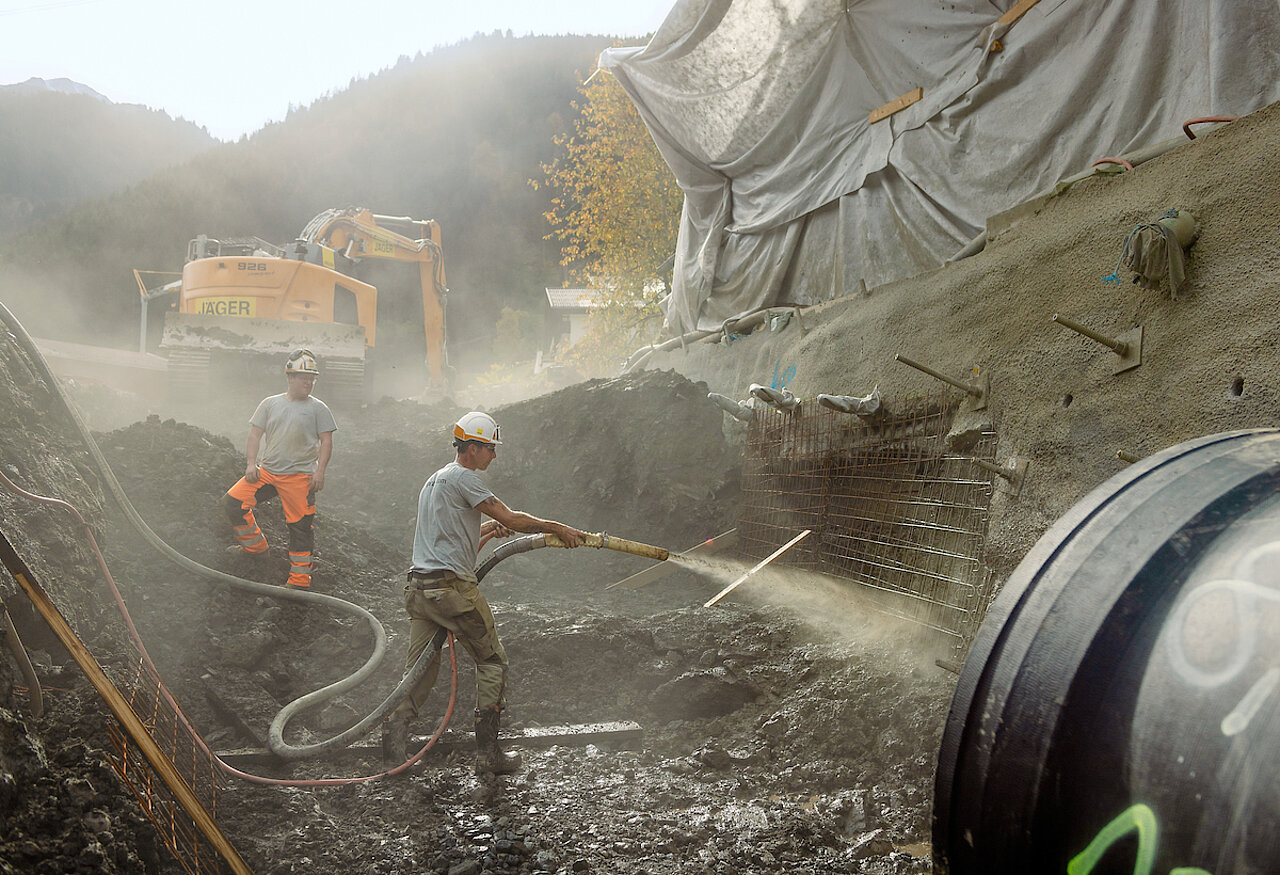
x,y
129,721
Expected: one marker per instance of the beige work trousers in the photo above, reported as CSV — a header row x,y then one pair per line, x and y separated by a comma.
x,y
459,606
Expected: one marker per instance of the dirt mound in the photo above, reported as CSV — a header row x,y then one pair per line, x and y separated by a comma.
x,y
641,457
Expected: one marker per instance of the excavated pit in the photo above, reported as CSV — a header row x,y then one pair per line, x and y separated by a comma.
x,y
779,735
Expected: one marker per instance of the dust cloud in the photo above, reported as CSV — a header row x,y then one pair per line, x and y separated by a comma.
x,y
841,612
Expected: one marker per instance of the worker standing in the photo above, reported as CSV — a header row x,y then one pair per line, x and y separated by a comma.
x,y
442,590
289,445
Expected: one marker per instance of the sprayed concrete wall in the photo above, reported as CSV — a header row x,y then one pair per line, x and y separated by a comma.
x,y
1209,359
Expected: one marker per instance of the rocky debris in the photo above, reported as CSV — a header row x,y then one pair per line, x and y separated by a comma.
x,y
702,694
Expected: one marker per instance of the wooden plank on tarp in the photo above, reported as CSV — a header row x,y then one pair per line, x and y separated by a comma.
x,y
659,570
1018,10
896,105
241,700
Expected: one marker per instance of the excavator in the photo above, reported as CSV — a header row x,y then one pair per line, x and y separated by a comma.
x,y
244,304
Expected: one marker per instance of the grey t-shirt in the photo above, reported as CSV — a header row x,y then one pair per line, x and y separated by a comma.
x,y
292,429
448,533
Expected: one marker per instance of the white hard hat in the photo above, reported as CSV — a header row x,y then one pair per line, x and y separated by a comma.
x,y
301,361
477,426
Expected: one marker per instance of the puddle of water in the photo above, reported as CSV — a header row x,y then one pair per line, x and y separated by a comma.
x,y
919,850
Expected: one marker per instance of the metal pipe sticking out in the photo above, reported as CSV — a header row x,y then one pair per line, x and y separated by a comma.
x,y
772,556
1119,347
1127,457
1006,473
967,388
977,395
1128,346
1011,475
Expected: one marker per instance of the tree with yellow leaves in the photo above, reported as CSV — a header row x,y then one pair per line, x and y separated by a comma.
x,y
615,212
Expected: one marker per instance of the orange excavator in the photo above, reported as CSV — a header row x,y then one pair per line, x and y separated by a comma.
x,y
244,304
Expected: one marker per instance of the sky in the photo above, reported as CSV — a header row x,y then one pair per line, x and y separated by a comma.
x,y
235,65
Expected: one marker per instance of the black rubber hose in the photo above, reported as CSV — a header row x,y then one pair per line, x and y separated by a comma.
x,y
511,548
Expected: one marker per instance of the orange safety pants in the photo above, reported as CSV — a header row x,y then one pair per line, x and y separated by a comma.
x,y
299,506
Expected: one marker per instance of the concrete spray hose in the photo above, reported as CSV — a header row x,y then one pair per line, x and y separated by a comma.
x,y
599,541
276,732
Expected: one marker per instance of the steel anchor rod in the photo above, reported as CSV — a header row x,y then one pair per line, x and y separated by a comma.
x,y
1119,347
1007,473
967,388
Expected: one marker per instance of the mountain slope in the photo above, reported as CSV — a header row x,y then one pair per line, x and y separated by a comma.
x,y
62,143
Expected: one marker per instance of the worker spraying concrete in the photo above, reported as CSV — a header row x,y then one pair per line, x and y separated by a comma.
x,y
441,589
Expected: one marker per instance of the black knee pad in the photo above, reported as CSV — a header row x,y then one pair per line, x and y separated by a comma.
x,y
302,537
234,508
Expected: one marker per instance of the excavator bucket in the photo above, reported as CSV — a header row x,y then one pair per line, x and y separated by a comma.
x,y
213,356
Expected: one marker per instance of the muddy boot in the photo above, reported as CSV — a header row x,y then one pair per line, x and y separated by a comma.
x,y
395,740
489,757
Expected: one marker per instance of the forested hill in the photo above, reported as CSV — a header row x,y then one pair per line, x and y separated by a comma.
x,y
454,135
58,149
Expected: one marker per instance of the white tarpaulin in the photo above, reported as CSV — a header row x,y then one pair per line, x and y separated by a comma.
x,y
792,195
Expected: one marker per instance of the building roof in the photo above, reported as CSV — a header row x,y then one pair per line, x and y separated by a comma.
x,y
576,300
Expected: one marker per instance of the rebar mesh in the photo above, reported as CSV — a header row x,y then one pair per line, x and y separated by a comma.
x,y
892,510
141,689
155,752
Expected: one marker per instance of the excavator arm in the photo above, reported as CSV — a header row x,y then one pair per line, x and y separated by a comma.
x,y
358,233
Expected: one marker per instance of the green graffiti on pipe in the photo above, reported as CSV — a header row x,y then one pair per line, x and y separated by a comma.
x,y
1138,817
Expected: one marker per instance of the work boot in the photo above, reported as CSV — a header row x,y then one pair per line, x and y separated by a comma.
x,y
489,757
237,550
395,741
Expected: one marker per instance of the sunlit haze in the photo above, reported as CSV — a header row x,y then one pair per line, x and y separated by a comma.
x,y
235,66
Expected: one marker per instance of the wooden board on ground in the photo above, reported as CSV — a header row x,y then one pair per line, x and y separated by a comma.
x,y
242,700
659,570
618,734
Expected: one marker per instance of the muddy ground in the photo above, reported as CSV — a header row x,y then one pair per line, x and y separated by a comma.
x,y
775,738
